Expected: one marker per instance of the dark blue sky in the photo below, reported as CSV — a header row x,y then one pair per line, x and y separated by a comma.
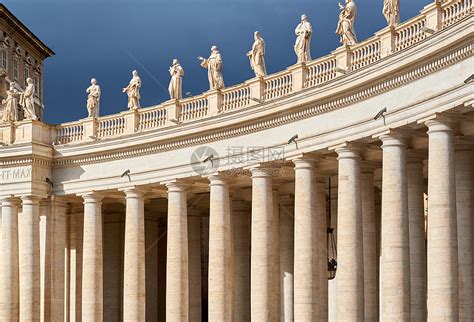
x,y
107,39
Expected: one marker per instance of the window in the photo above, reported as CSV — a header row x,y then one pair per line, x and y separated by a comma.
x,y
4,59
37,92
15,68
27,73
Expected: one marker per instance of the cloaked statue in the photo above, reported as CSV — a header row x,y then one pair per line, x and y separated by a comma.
x,y
391,11
93,99
214,69
133,91
257,56
345,26
27,100
302,47
10,105
176,82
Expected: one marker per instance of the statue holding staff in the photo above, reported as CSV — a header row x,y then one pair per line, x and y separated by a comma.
x,y
133,91
27,100
176,82
391,11
93,99
302,46
214,69
257,56
345,26
10,105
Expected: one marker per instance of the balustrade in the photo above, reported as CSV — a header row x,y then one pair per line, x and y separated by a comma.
x,y
194,108
320,71
278,85
152,118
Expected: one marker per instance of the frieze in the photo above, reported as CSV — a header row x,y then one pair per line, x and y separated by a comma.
x,y
16,174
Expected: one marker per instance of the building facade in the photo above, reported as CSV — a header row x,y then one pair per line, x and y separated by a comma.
x,y
183,212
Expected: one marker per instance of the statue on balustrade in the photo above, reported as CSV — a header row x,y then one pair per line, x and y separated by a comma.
x,y
302,47
391,11
10,105
93,99
345,26
133,91
176,82
257,56
214,69
27,100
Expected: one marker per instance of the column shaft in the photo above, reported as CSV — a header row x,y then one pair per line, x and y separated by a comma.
x,y
350,271
465,207
262,257
276,252
134,289
241,231
177,289
370,260
92,260
416,214
194,230
443,298
322,247
306,254
29,245
287,230
395,261
9,266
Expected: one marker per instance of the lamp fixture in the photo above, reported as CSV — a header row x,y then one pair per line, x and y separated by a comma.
x,y
126,173
469,79
381,114
331,242
293,140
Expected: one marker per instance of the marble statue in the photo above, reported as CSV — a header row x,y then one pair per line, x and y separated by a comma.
x,y
176,82
214,69
27,100
391,11
93,99
133,91
302,46
257,56
345,26
10,105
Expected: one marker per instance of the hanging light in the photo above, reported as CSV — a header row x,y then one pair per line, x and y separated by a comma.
x,y
331,243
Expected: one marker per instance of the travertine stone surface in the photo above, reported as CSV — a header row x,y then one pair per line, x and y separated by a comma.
x,y
194,235
177,289
29,245
395,260
262,258
464,157
9,272
443,298
241,232
92,260
416,216
350,271
134,259
287,232
322,246
306,254
371,301
220,251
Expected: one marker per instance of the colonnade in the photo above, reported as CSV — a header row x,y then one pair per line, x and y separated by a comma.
x,y
268,262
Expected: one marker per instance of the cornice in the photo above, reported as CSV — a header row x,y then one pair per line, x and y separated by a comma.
x,y
26,161
463,51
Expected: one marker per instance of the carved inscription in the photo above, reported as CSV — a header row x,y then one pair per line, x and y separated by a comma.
x,y
12,175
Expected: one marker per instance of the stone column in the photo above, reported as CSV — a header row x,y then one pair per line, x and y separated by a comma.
x,y
241,231
371,300
262,257
464,157
287,230
416,214
194,235
134,288
29,245
350,271
395,261
276,251
443,297
177,289
306,254
9,266
220,251
92,260
322,247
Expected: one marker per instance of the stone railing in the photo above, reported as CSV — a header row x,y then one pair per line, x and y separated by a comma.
x,y
434,17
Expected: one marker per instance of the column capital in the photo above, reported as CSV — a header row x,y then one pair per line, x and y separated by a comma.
x,y
394,139
305,161
176,186
30,200
9,201
92,197
440,125
134,192
218,180
348,152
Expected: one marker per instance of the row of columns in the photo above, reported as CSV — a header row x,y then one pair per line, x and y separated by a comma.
x,y
291,285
